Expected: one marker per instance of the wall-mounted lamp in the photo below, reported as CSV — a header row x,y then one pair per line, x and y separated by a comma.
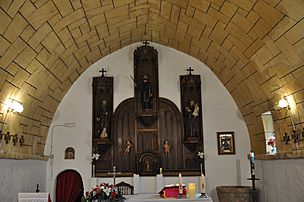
x,y
14,106
283,103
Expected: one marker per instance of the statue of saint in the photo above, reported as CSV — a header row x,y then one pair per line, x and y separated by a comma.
x,y
146,94
192,119
103,121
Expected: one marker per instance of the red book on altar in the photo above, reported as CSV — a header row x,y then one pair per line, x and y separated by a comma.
x,y
171,191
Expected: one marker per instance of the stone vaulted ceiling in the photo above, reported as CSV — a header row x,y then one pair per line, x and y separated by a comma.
x,y
255,47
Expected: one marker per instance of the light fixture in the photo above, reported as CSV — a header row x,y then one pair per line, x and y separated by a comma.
x,y
15,106
66,125
283,103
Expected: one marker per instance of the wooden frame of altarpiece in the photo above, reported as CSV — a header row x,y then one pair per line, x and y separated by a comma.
x,y
191,110
102,121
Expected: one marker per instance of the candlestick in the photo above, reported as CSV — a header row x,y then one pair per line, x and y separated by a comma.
x,y
37,189
180,186
203,187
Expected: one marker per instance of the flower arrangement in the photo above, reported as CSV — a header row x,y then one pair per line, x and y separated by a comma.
x,y
104,192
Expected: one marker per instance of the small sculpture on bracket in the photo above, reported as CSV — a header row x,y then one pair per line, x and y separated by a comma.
x,y
21,140
7,137
166,147
15,139
286,138
128,147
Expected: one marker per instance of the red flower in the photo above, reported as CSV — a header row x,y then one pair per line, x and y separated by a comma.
x,y
113,194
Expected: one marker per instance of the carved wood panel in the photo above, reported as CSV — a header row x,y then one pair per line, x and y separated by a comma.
x,y
170,131
124,131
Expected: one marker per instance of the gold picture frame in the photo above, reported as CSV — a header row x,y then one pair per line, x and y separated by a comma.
x,y
225,143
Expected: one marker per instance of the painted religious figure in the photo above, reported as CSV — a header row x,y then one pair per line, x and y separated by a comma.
x,y
146,94
103,121
192,119
166,147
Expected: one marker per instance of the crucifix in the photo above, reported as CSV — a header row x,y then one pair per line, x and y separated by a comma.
x,y
114,174
145,42
190,70
102,71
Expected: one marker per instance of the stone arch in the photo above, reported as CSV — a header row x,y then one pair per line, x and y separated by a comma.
x,y
254,48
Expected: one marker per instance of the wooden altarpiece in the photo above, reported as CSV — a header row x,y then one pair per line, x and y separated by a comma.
x,y
102,121
148,131
191,107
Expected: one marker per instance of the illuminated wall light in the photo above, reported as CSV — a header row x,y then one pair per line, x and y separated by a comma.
x,y
283,103
15,106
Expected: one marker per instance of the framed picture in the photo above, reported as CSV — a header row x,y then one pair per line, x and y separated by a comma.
x,y
225,143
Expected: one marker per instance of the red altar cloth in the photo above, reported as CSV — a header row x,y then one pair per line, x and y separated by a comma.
x,y
171,191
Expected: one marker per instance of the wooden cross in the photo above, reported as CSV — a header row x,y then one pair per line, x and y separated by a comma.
x,y
114,174
102,71
145,42
190,70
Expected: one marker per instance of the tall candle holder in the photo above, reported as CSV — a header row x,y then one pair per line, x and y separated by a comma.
x,y
203,188
180,186
253,178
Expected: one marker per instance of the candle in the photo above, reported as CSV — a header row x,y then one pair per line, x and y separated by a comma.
x,y
203,189
180,184
160,171
191,190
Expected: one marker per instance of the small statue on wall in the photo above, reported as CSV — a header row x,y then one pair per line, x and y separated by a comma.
x,y
166,147
128,147
103,120
15,139
22,140
7,137
192,113
146,94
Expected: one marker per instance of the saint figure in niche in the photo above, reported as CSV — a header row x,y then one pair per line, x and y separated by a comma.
x,y
103,120
146,94
192,119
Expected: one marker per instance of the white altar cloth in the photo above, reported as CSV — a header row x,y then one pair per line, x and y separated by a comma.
x,y
157,198
34,197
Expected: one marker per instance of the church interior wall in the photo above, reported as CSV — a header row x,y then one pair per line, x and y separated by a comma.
x,y
280,180
220,113
21,176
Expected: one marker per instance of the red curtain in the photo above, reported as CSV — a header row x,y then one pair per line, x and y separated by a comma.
x,y
68,186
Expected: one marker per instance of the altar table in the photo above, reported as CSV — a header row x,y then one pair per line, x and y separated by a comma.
x,y
157,198
34,197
